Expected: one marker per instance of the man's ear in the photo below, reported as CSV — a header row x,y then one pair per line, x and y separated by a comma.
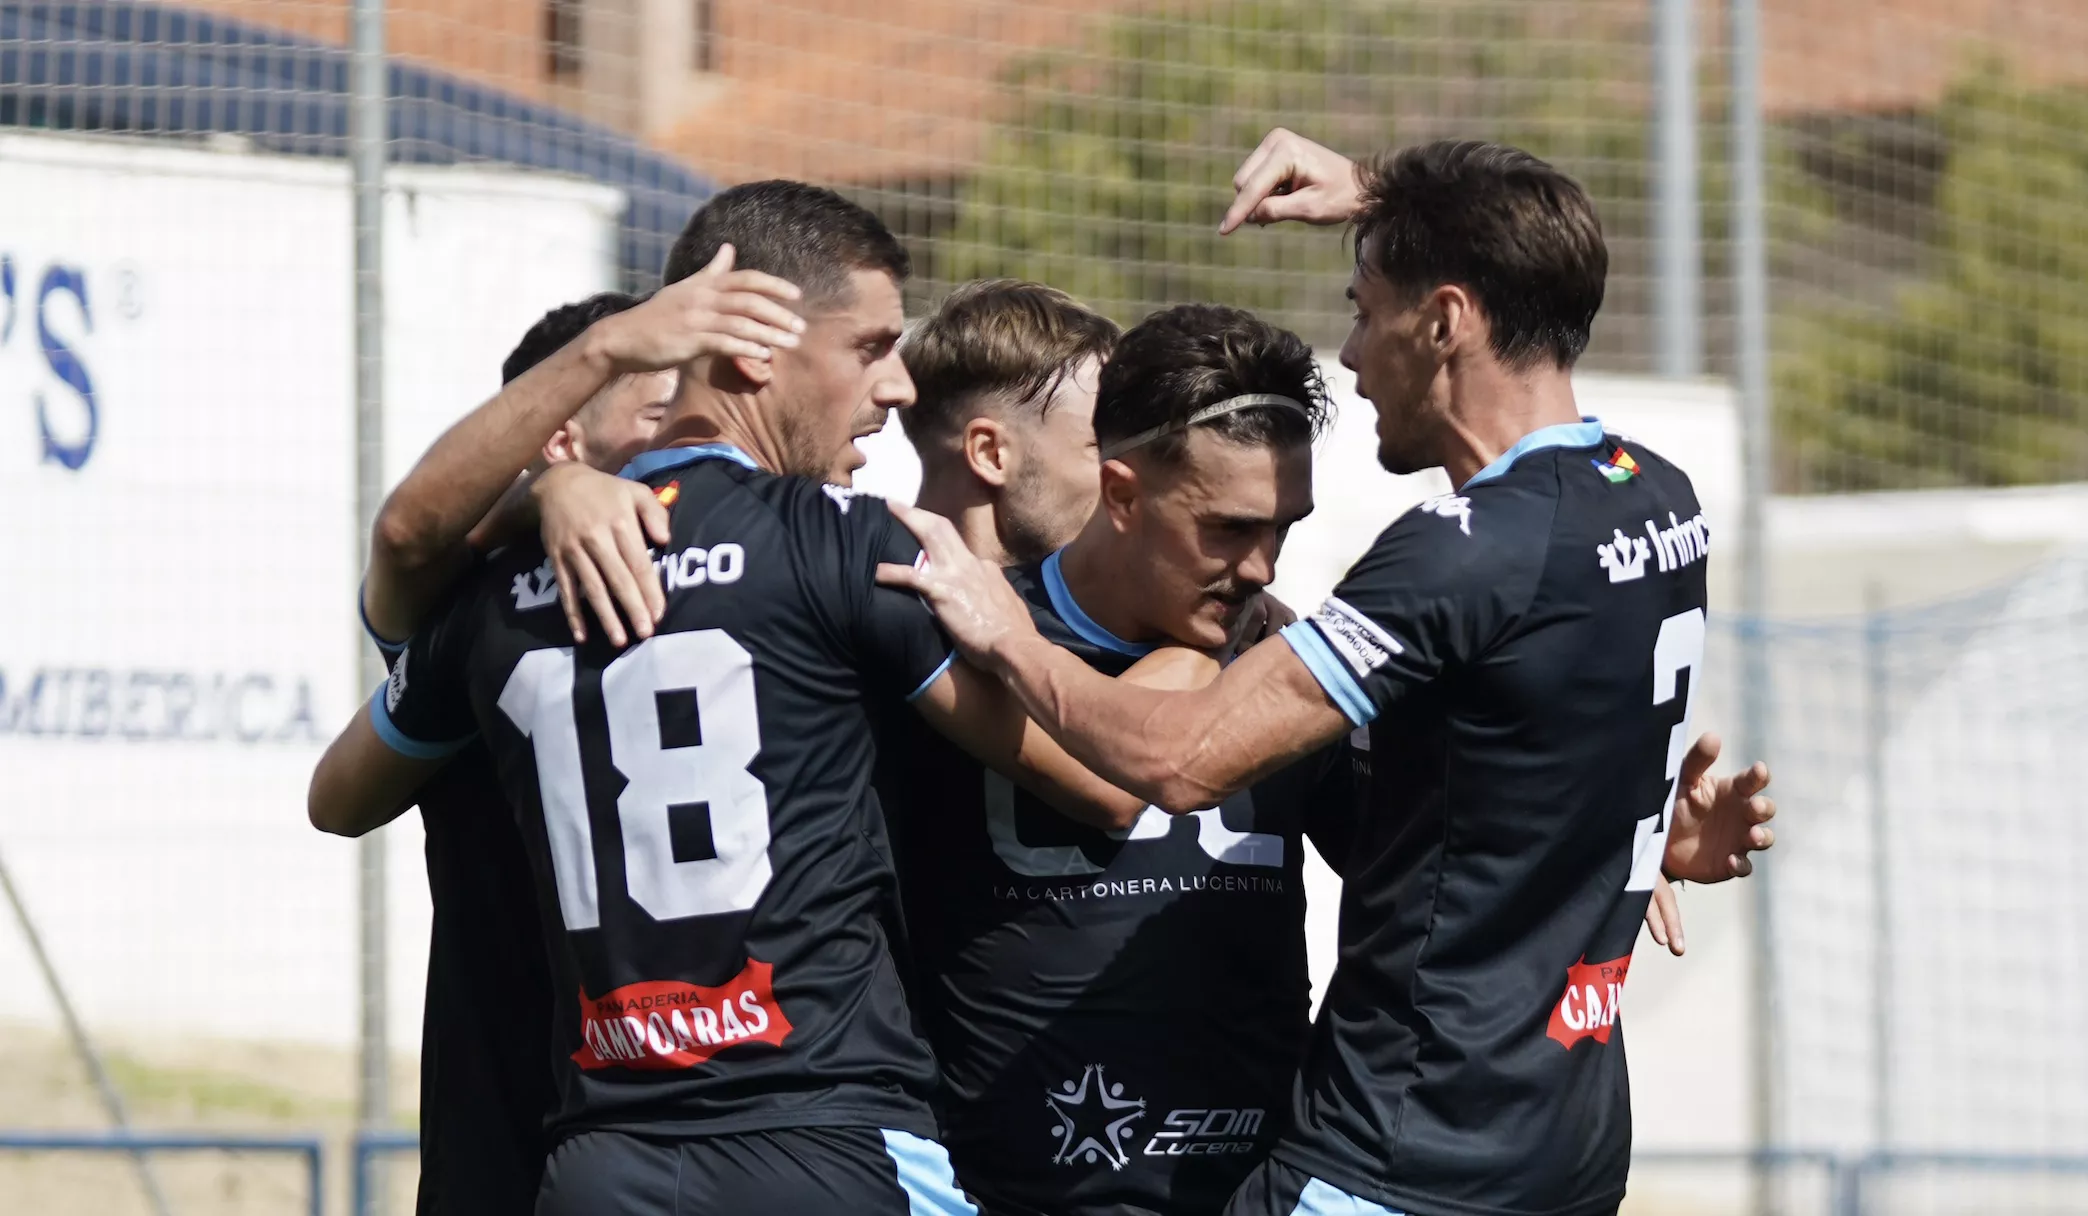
x,y
987,450
1454,321
568,442
1121,488
756,373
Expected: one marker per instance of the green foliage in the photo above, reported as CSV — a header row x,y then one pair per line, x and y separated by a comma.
x,y
1113,164
1977,372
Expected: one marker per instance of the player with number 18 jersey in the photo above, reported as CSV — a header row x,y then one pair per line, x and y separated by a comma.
x,y
711,858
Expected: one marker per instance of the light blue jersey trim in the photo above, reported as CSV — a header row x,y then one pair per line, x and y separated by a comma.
x,y
1062,602
1319,1199
1332,674
385,646
1583,434
645,464
933,676
412,749
925,1175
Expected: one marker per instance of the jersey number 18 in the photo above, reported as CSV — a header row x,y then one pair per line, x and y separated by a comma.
x,y
717,671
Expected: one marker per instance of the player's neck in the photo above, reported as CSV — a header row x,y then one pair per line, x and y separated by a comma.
x,y
957,496
1094,567
1493,407
701,412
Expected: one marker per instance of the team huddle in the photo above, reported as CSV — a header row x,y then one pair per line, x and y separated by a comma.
x,y
796,852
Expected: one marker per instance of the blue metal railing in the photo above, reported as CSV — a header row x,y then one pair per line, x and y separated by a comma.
x,y
307,1147
368,1145
1848,1178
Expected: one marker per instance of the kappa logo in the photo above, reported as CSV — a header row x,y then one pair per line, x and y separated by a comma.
x,y
1625,557
1361,642
535,588
843,496
1093,1120
1451,506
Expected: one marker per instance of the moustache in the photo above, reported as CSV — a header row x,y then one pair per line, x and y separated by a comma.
x,y
1232,592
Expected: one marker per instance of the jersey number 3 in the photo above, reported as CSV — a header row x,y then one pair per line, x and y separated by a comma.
x,y
1679,647
701,778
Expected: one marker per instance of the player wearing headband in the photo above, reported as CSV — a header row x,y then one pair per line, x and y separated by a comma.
x,y
1118,1015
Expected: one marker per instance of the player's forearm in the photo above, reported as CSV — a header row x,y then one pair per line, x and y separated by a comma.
x,y
1142,740
424,522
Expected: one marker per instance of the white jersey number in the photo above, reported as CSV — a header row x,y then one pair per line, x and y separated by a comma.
x,y
1067,860
1680,646
706,664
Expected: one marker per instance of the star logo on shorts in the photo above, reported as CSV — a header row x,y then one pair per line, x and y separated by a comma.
x,y
1092,1120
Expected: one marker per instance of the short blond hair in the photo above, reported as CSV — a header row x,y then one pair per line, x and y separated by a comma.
x,y
1005,339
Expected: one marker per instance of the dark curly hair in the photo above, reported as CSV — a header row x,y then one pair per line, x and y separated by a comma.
x,y
1181,359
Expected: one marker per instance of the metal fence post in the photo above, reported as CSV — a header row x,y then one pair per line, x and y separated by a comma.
x,y
368,128
1677,283
1751,315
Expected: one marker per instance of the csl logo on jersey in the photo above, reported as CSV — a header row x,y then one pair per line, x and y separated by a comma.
x,y
1589,1006
535,588
1624,558
666,1024
1195,1132
1093,1120
1451,506
1618,469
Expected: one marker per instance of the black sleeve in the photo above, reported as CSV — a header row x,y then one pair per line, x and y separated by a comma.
x,y
894,640
423,709
1434,591
1335,805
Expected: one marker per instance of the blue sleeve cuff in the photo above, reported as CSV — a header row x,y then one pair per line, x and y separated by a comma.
x,y
933,676
412,749
385,645
1333,674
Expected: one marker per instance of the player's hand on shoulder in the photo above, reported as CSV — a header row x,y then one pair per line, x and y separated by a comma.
x,y
1263,618
716,311
980,610
1718,821
1289,177
1173,669
596,530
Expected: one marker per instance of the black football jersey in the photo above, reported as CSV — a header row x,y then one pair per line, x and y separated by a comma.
x,y
1526,651
485,1059
1118,1016
698,807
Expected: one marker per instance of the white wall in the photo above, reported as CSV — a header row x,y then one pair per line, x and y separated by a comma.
x,y
186,595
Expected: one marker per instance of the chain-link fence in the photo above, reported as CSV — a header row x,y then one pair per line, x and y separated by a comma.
x,y
178,345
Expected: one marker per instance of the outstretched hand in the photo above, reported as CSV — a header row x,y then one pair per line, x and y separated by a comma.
x,y
716,311
972,597
1289,177
1717,821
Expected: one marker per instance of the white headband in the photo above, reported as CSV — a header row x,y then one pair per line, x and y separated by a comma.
x,y
1231,405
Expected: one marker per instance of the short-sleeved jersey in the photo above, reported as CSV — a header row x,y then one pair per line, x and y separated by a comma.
x,y
1118,1016
1525,651
710,857
485,1057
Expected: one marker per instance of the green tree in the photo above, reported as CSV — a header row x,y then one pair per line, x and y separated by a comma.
x,y
1110,168
1976,372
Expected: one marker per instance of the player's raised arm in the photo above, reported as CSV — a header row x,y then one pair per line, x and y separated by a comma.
x,y
418,542
1180,750
1289,177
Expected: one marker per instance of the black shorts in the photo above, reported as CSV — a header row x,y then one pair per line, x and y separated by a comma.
x,y
1276,1189
812,1171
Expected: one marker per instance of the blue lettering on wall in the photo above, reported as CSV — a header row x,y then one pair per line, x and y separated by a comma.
x,y
147,706
65,364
